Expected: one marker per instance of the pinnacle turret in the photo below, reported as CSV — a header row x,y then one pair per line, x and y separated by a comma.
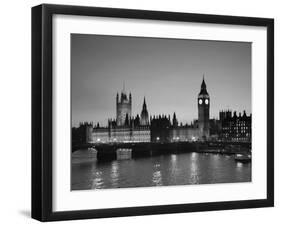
x,y
203,90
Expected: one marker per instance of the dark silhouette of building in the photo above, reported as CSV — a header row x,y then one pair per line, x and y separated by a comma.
x,y
215,129
82,134
225,115
175,121
235,128
203,112
160,128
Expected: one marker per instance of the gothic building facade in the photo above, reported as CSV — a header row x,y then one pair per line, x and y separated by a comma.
x,y
164,128
123,107
235,127
144,120
125,128
142,128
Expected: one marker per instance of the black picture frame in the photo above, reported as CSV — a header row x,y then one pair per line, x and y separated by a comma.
x,y
42,111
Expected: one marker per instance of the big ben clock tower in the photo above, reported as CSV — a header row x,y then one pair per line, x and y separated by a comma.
x,y
203,112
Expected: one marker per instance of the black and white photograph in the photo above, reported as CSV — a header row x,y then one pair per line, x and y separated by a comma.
x,y
149,112
145,112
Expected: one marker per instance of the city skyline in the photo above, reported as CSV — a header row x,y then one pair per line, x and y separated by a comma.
x,y
169,83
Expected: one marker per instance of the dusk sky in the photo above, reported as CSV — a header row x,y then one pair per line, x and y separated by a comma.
x,y
168,72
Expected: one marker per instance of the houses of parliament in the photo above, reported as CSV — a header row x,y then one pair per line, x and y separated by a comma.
x,y
164,128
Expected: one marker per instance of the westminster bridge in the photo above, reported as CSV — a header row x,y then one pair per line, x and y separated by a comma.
x,y
111,151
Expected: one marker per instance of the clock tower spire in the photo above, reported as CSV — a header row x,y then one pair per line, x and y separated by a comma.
x,y
203,101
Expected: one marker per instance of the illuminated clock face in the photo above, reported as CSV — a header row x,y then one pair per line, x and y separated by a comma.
x,y
206,101
200,101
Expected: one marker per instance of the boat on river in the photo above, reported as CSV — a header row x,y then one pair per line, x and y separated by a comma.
x,y
244,158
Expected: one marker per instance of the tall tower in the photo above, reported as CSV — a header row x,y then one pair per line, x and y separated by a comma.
x,y
144,115
123,107
175,121
203,111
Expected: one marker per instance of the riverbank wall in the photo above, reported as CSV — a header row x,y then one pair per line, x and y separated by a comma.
x,y
107,152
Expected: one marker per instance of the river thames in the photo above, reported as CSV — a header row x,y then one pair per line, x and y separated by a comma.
x,y
163,170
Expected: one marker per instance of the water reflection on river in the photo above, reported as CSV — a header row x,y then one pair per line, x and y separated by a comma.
x,y
174,169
